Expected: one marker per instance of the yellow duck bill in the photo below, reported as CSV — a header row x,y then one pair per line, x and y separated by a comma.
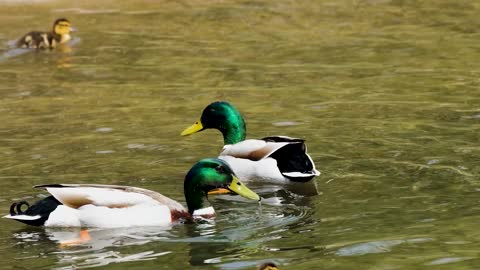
x,y
238,187
193,128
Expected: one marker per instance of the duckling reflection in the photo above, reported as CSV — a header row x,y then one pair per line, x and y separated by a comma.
x,y
62,55
47,40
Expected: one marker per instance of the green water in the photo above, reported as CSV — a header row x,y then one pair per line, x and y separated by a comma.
x,y
386,93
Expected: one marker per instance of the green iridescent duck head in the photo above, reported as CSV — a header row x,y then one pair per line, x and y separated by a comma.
x,y
223,116
212,174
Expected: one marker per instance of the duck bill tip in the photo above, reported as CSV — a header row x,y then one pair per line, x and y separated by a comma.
x,y
241,189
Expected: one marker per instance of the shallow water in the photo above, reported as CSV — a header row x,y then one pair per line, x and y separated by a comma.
x,y
386,93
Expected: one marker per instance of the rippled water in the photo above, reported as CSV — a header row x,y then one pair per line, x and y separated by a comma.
x,y
385,92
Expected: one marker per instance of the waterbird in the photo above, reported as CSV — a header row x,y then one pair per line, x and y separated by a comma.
x,y
47,40
277,159
109,206
268,266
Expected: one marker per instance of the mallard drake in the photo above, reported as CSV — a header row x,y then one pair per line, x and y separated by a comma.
x,y
108,206
273,159
47,40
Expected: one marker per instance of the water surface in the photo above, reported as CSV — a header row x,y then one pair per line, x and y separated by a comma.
x,y
386,93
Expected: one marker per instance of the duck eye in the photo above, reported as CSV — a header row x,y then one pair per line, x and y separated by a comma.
x,y
220,169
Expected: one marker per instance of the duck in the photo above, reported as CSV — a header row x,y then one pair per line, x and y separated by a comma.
x,y
274,159
112,206
268,266
47,40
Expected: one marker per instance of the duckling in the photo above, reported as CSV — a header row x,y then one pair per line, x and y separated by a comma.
x,y
268,266
47,40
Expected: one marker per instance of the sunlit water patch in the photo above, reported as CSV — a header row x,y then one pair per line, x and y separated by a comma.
x,y
384,92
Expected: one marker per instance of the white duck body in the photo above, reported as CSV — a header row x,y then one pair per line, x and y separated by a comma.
x,y
263,170
253,159
107,206
106,217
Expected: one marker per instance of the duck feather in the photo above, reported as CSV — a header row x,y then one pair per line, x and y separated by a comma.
x,y
112,196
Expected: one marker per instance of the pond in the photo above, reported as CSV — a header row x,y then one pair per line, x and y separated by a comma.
x,y
385,92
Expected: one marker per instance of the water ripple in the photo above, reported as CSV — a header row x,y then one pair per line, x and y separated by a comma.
x,y
376,246
105,258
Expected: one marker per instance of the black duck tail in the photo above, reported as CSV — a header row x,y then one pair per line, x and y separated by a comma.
x,y
36,214
294,163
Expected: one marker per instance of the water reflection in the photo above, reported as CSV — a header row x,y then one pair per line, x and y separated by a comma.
x,y
61,52
100,238
247,233
104,258
97,250
292,189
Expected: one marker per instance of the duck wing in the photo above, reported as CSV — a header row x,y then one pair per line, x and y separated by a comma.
x,y
252,149
112,196
283,139
293,162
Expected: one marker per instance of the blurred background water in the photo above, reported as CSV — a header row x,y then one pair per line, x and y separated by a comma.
x,y
386,93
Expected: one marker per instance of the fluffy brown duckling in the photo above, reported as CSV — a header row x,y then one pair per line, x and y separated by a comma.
x,y
47,40
268,266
